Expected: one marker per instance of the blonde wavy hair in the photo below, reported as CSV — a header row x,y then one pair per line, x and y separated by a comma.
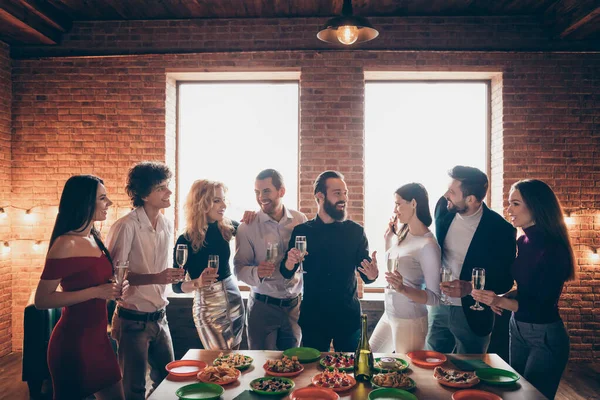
x,y
199,201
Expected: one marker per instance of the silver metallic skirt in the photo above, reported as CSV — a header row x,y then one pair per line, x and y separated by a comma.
x,y
219,315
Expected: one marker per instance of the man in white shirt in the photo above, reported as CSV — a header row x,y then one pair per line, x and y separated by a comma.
x,y
470,236
144,238
274,303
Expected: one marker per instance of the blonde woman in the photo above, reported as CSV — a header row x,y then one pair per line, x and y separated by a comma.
x,y
218,309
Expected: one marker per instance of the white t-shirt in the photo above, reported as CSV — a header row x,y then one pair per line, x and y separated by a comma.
x,y
457,242
148,250
419,263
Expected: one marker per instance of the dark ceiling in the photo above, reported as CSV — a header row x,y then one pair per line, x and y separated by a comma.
x,y
37,22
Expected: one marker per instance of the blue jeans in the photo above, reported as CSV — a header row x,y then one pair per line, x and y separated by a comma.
x,y
142,343
449,332
540,353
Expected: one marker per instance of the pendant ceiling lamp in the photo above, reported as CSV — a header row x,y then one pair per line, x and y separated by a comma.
x,y
347,29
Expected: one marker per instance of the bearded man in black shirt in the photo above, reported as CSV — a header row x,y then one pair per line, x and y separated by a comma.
x,y
336,249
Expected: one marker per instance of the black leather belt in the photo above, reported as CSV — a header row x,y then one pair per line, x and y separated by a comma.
x,y
139,315
277,302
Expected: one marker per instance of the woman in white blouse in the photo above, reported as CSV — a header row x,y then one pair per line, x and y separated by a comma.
x,y
415,282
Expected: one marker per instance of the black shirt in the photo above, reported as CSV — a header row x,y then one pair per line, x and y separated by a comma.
x,y
541,269
335,251
197,262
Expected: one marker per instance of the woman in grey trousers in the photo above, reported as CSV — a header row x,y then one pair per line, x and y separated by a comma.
x,y
539,343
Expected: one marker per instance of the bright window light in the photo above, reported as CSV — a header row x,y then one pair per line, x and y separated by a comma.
x,y
416,132
229,132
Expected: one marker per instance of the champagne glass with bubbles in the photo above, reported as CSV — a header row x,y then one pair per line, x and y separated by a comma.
x,y
446,277
213,262
478,282
181,256
392,265
121,268
301,246
272,253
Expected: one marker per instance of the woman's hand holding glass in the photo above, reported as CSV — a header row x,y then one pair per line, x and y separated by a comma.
x,y
208,277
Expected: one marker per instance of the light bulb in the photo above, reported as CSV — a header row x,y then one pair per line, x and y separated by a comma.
x,y
347,34
36,245
596,255
6,248
569,220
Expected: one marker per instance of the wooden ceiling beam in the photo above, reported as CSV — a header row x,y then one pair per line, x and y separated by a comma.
x,y
568,16
43,10
27,23
580,22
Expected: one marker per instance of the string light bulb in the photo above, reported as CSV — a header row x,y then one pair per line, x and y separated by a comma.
x,y
5,247
595,254
29,216
569,220
3,213
36,245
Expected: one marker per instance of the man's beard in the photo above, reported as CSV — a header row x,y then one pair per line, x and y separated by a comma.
x,y
333,212
453,207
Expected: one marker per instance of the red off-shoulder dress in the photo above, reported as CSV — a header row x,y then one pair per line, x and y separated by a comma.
x,y
80,357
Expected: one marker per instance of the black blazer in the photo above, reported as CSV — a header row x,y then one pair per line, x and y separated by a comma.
x,y
494,248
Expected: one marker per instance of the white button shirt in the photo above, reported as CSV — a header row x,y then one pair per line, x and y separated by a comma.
x,y
251,249
148,250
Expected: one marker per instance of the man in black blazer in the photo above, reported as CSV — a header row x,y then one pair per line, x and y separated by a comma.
x,y
470,236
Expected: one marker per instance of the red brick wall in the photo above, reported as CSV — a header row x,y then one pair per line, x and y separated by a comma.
x,y
5,186
100,115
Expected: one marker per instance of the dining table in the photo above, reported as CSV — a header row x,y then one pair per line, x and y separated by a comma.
x,y
427,387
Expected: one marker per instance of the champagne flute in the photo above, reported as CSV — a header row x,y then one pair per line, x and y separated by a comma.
x,y
120,273
392,265
446,277
213,262
181,256
272,254
478,282
301,245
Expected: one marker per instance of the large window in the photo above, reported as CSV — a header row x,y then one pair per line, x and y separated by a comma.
x,y
416,132
230,131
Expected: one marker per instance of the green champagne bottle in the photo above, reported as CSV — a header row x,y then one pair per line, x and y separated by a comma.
x,y
363,359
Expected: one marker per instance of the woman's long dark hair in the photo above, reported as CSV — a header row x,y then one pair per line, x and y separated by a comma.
x,y
76,209
417,192
547,214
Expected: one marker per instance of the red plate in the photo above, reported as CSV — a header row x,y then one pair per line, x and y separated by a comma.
x,y
314,393
315,381
183,368
473,394
284,374
426,359
222,382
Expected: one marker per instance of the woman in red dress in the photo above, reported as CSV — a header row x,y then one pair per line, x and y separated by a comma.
x,y
80,357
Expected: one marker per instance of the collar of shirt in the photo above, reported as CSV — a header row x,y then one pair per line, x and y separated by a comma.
x,y
473,218
144,221
264,217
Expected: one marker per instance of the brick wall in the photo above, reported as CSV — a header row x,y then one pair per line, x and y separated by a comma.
x,y
5,186
100,115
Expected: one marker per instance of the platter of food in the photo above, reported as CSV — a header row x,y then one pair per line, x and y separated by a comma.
x,y
221,375
334,380
235,360
285,366
339,361
394,380
455,378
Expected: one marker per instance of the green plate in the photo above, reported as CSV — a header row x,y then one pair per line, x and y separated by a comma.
x,y
391,394
412,386
240,367
495,376
195,391
304,354
404,366
331,368
281,392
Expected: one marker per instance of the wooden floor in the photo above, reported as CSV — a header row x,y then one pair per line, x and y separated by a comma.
x,y
579,382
